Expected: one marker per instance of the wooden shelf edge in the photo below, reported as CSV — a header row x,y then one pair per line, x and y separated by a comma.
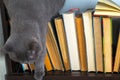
x,y
80,76
19,77
65,76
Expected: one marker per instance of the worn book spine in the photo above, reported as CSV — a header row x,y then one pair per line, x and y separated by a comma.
x,y
62,41
81,42
107,44
98,43
88,29
53,49
70,29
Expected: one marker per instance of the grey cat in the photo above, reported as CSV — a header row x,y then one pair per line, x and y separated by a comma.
x,y
28,21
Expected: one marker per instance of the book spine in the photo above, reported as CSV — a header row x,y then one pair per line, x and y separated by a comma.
x,y
81,42
70,28
87,21
98,43
107,44
62,41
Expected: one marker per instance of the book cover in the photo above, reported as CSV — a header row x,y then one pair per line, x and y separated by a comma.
x,y
70,29
81,42
48,64
98,43
107,44
32,67
88,30
107,8
53,49
62,41
25,67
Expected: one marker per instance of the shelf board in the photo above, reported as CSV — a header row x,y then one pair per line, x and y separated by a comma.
x,y
80,76
19,77
56,75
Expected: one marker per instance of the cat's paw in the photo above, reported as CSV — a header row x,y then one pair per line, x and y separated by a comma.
x,y
39,75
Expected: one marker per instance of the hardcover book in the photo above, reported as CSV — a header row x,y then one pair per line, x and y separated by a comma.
x,y
70,29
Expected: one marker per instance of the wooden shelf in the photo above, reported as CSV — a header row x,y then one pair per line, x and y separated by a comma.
x,y
66,76
81,76
19,77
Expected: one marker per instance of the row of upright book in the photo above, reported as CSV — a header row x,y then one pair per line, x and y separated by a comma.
x,y
77,42
85,42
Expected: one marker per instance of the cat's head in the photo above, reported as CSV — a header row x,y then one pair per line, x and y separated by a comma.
x,y
22,51
23,45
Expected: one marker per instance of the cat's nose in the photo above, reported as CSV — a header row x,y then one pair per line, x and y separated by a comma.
x,y
31,54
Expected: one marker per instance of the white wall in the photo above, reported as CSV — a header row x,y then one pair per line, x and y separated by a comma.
x,y
2,57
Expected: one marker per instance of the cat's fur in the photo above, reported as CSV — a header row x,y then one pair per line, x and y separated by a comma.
x,y
28,21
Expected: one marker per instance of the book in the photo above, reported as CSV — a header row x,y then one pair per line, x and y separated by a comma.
x,y
97,21
117,57
31,67
48,64
107,8
107,44
81,42
88,30
25,67
70,29
53,50
62,41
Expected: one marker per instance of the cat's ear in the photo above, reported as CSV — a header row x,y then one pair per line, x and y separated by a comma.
x,y
7,48
3,50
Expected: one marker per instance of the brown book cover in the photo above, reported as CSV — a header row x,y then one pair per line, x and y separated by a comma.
x,y
32,67
47,63
53,50
62,41
107,44
81,42
98,43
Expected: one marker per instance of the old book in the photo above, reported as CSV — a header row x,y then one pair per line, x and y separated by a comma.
x,y
48,64
107,7
117,57
70,29
62,41
107,44
32,67
81,42
53,50
88,29
98,43
25,68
